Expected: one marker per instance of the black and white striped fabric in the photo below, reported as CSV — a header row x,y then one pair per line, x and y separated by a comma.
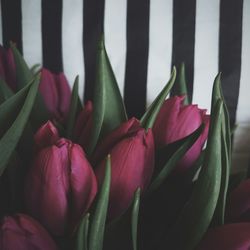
x,y
143,39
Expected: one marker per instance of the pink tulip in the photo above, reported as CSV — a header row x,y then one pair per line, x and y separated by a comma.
x,y
238,207
61,184
132,163
176,121
21,232
227,237
83,125
56,94
7,67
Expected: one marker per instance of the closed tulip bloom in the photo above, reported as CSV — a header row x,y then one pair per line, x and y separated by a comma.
x,y
61,184
132,162
21,232
82,131
238,207
176,121
56,94
227,237
7,67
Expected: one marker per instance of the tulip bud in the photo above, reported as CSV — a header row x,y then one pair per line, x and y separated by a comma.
x,y
228,237
21,232
7,67
238,206
83,125
56,94
61,184
176,121
132,162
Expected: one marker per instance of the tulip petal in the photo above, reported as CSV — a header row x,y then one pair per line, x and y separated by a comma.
x,y
46,136
22,232
228,237
84,124
64,94
47,188
49,92
132,162
238,209
83,183
123,131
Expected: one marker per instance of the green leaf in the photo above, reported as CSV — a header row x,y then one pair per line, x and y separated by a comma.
x,y
182,147
218,94
74,109
198,212
109,111
5,91
97,227
12,125
81,242
148,119
25,144
181,83
134,218
35,68
24,74
226,153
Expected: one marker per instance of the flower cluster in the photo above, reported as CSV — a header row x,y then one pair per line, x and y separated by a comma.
x,y
74,177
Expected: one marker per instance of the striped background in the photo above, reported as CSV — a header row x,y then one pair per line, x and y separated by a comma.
x,y
143,39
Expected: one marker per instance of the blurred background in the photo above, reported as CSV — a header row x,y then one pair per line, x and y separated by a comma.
x,y
144,39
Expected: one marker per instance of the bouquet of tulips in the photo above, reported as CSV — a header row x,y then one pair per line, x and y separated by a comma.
x,y
88,178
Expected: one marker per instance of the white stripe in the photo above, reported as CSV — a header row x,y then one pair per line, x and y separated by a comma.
x,y
160,46
72,45
206,51
241,155
1,29
115,37
32,31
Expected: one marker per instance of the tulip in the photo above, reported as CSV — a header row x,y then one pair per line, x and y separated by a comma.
x,y
238,207
61,184
176,121
132,162
56,94
227,237
83,125
7,67
21,232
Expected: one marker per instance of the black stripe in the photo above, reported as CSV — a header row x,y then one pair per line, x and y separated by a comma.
x,y
184,39
230,52
137,57
93,23
12,23
52,34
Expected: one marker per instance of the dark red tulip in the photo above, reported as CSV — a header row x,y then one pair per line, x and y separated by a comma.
x,y
8,67
82,132
176,121
56,94
227,237
238,207
21,232
61,184
132,163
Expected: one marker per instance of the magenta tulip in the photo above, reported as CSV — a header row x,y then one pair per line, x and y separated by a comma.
x,y
132,163
238,207
8,67
61,184
56,94
227,237
176,121
21,232
82,132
